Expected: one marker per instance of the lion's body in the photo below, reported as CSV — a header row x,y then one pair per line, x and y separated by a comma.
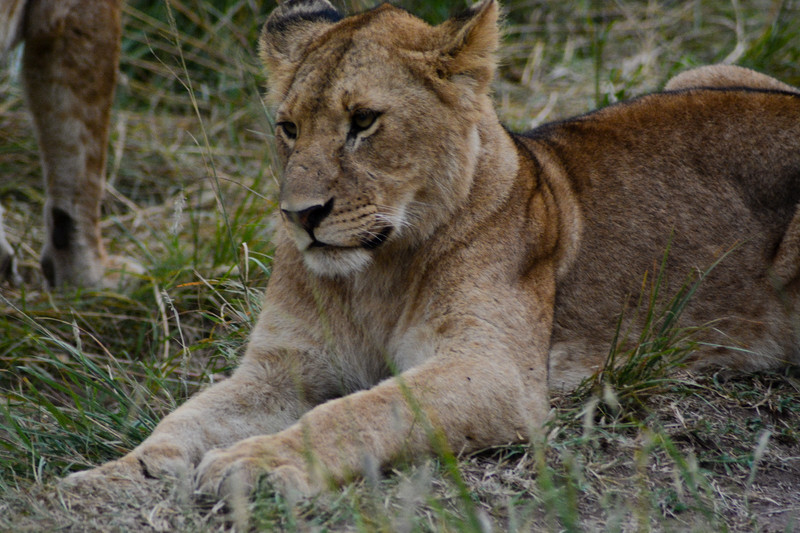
x,y
69,68
701,188
424,241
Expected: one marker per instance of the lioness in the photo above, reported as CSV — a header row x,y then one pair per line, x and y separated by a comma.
x,y
69,70
431,263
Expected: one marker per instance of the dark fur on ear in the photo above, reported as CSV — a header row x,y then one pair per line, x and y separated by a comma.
x,y
298,12
288,32
471,40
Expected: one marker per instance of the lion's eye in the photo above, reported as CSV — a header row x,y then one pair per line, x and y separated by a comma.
x,y
362,120
289,129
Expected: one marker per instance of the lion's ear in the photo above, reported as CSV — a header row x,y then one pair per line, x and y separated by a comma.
x,y
286,35
470,42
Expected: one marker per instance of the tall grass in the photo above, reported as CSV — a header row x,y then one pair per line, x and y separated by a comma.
x,y
85,375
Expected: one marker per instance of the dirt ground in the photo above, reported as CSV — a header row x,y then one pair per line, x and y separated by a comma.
x,y
711,456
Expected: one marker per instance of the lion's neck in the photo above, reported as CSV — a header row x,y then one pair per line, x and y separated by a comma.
x,y
491,182
497,168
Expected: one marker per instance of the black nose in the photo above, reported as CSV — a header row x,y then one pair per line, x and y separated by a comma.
x,y
310,217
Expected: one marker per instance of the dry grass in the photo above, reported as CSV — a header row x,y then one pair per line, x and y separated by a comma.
x,y
85,376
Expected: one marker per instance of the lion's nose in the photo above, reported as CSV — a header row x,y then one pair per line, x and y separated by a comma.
x,y
310,217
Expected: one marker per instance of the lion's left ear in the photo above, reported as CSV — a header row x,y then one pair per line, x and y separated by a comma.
x,y
470,42
288,32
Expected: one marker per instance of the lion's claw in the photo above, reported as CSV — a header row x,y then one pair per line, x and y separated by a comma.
x,y
223,474
234,472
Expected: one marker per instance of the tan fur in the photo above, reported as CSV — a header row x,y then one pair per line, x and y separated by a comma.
x,y
429,260
725,76
69,69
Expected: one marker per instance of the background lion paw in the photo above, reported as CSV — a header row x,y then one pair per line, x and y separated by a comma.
x,y
8,266
83,268
8,263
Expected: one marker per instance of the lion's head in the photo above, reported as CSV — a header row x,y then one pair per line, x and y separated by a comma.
x,y
376,124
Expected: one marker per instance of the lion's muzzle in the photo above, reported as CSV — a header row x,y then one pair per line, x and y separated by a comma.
x,y
318,227
309,218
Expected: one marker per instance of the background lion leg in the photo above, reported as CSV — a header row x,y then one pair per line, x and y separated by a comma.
x,y
69,70
11,12
8,267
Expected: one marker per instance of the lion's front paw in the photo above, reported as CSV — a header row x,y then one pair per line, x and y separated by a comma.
x,y
122,471
225,473
150,462
233,472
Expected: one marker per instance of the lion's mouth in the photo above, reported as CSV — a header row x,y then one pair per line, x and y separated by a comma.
x,y
368,243
377,239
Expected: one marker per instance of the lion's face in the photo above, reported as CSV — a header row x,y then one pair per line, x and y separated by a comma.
x,y
377,140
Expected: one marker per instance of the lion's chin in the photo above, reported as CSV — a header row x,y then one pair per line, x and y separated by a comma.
x,y
331,262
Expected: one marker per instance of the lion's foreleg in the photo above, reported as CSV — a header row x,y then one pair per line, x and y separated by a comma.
x,y
448,404
485,383
69,70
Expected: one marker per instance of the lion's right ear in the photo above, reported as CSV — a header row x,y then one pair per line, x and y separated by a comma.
x,y
470,42
286,35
